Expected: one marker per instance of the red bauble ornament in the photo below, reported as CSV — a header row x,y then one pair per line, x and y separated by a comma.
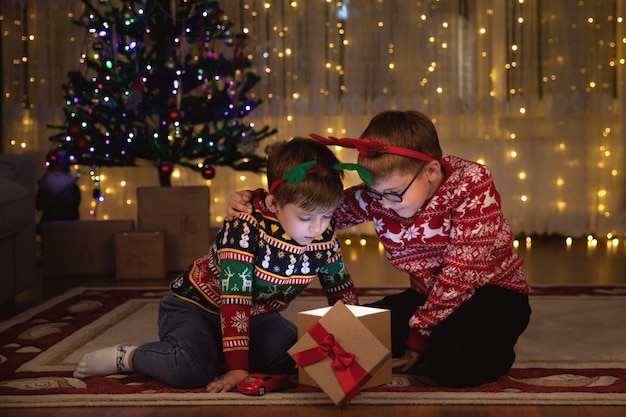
x,y
165,168
81,143
175,114
208,172
74,129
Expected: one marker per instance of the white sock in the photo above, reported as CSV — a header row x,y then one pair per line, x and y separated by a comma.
x,y
106,361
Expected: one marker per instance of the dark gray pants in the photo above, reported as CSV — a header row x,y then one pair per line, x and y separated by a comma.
x,y
189,352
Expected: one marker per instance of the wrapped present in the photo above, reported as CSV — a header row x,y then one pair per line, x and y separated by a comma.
x,y
83,247
140,255
339,353
182,213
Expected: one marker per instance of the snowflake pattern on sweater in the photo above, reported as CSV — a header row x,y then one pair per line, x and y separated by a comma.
x,y
459,242
254,267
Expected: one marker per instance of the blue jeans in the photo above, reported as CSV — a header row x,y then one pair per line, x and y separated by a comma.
x,y
189,353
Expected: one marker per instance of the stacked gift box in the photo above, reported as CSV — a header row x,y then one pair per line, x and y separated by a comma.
x,y
172,231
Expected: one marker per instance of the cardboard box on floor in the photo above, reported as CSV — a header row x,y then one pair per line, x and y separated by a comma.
x,y
83,247
362,331
140,255
182,213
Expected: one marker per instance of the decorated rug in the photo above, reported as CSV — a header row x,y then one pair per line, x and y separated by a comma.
x,y
572,353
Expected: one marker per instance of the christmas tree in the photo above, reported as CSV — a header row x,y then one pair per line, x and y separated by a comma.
x,y
165,81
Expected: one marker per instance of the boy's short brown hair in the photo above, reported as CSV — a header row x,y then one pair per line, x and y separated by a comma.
x,y
320,189
406,129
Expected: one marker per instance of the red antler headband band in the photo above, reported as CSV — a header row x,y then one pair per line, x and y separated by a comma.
x,y
370,147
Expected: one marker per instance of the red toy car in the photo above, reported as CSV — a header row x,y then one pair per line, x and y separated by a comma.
x,y
259,384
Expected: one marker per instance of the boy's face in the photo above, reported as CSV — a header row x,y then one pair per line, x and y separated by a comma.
x,y
414,194
303,226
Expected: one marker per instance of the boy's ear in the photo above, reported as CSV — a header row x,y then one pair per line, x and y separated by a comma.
x,y
271,203
433,167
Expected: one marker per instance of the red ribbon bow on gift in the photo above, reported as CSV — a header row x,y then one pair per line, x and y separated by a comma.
x,y
347,370
371,147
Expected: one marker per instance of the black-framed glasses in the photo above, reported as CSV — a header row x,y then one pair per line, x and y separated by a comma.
x,y
390,196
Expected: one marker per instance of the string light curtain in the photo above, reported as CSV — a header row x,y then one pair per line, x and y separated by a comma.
x,y
533,89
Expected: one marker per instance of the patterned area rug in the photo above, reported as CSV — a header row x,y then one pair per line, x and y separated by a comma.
x,y
572,353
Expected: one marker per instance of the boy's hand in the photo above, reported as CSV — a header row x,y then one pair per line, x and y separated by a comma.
x,y
239,201
228,381
407,360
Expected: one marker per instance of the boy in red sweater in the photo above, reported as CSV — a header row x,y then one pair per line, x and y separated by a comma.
x,y
439,219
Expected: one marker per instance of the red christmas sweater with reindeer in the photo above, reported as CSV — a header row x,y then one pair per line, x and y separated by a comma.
x,y
255,267
458,242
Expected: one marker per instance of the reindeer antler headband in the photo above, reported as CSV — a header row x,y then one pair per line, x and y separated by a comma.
x,y
370,147
296,174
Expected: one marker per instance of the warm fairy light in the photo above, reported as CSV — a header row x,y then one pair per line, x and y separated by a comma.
x,y
363,242
568,241
348,241
514,81
529,242
516,243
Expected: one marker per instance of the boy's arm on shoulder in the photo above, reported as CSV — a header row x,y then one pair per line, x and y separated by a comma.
x,y
239,201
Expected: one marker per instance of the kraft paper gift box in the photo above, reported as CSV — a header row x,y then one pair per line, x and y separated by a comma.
x,y
182,213
140,255
343,349
83,247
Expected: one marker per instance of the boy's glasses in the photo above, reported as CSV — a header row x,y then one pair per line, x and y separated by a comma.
x,y
391,196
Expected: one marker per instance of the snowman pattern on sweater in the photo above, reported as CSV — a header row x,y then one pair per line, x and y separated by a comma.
x,y
254,267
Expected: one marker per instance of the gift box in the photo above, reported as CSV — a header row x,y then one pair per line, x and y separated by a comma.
x,y
343,349
140,255
83,247
182,213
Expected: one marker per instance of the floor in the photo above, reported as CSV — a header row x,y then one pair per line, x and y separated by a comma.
x,y
548,261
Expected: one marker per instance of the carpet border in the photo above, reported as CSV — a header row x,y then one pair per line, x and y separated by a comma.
x,y
34,310
273,399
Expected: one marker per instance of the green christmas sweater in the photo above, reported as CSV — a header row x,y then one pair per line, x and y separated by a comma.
x,y
254,267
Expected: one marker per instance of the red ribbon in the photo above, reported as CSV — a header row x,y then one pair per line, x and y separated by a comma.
x,y
347,370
